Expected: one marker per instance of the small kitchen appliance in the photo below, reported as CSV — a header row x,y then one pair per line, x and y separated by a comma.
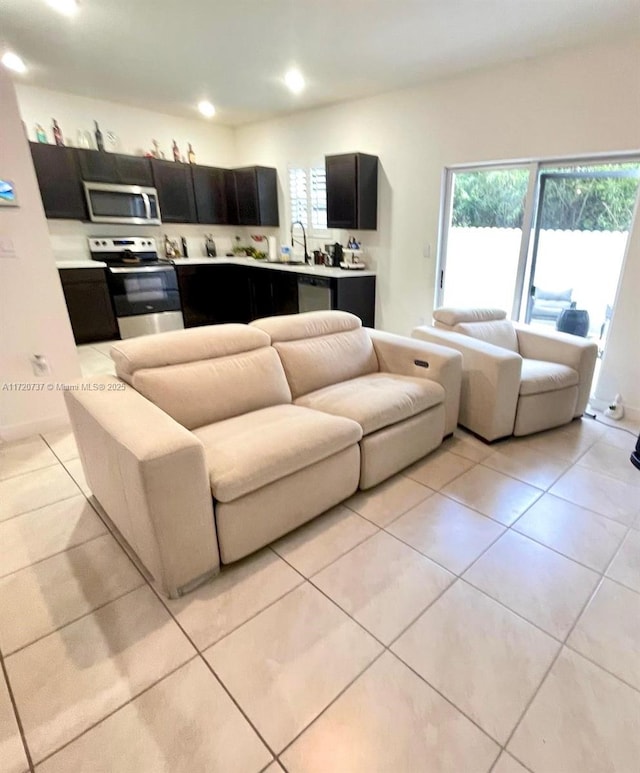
x,y
143,288
131,204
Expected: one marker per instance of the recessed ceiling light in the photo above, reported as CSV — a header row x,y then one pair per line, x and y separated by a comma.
x,y
65,7
206,108
294,80
13,62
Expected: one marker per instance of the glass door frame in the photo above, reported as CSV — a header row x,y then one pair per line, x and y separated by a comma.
x,y
525,271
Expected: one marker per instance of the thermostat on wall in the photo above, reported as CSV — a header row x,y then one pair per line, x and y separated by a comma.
x,y
8,196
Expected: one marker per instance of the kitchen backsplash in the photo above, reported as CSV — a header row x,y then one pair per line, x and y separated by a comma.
x,y
69,238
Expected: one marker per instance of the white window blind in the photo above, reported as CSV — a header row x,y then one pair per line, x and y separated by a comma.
x,y
308,197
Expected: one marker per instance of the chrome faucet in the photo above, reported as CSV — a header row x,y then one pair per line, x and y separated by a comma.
x,y
304,240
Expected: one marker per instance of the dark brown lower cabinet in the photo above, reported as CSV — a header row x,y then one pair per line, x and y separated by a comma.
x,y
212,294
89,304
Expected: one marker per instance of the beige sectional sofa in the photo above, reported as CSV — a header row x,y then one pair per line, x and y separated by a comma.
x,y
213,442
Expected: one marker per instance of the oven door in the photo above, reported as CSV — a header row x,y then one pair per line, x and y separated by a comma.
x,y
143,290
122,204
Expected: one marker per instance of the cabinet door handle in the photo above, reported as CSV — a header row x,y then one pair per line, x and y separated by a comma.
x,y
421,363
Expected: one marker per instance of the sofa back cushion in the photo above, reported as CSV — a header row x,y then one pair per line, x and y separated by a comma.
x,y
488,325
204,375
320,348
498,332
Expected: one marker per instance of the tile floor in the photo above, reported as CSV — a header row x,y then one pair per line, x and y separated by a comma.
x,y
480,612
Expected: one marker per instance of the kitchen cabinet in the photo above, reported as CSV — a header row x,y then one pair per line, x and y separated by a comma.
x,y
352,191
256,196
59,181
174,183
89,304
357,295
210,190
96,166
272,292
212,294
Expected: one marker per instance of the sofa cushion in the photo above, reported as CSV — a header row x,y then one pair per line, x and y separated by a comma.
x,y
497,332
181,346
540,376
309,324
376,400
208,390
450,316
320,348
247,452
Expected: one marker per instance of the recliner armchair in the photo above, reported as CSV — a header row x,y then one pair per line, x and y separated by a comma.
x,y
515,380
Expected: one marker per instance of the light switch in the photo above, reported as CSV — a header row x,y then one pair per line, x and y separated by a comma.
x,y
426,251
7,248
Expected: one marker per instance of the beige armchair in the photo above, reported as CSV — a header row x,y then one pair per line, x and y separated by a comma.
x,y
515,380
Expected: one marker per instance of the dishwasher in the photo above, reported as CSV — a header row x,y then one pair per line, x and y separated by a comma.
x,y
314,293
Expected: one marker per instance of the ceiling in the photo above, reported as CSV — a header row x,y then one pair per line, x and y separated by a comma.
x,y
166,55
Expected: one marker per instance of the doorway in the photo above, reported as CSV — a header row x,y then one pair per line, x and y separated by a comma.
x,y
545,241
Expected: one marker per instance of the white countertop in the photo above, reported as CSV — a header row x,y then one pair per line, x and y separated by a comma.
x,y
80,264
302,268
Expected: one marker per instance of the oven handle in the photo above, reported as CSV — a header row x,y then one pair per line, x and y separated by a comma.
x,y
140,269
147,206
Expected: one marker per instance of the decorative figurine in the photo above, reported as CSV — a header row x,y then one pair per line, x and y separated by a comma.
x,y
57,134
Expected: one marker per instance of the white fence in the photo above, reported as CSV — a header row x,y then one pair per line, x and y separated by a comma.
x,y
482,263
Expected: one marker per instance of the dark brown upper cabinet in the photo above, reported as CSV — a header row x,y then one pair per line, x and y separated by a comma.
x,y
210,190
96,166
59,181
352,191
256,196
174,183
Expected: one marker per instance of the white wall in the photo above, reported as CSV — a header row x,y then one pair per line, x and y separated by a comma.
x,y
621,364
576,102
33,316
135,128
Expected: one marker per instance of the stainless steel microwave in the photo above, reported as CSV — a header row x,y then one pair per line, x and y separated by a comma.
x,y
131,204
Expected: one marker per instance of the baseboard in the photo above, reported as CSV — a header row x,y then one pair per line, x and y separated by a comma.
x,y
27,429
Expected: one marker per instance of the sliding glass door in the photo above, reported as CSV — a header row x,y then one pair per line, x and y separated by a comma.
x,y
543,241
583,218
485,217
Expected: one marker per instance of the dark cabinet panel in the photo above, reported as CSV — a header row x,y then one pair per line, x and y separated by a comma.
x,y
174,183
209,185
352,191
59,181
256,192
213,294
89,305
273,293
114,168
356,294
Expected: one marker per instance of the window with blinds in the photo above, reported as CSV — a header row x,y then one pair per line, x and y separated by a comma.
x,y
308,197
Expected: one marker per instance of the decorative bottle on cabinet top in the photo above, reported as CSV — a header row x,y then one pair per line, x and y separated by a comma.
x,y
99,138
192,155
41,135
176,151
57,134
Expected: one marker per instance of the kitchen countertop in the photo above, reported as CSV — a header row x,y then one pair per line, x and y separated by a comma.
x,y
80,264
301,268
324,271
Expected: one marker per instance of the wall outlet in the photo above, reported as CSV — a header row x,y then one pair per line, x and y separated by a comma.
x,y
40,365
426,251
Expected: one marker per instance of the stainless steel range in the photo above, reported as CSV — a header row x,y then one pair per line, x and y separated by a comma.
x,y
144,288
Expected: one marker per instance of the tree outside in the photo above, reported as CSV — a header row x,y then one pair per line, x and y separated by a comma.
x,y
496,198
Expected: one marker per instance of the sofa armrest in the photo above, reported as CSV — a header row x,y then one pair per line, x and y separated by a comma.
x,y
149,474
490,382
565,349
409,357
